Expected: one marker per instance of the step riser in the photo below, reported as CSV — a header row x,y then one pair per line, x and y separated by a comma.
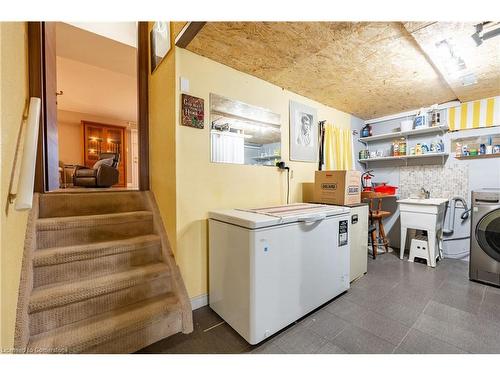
x,y
62,205
46,320
131,342
75,270
91,234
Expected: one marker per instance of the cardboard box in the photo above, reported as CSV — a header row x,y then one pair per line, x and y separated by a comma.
x,y
308,192
337,187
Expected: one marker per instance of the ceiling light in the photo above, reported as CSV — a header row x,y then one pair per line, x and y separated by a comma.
x,y
450,58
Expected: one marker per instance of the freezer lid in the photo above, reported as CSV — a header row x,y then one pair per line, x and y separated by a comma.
x,y
268,216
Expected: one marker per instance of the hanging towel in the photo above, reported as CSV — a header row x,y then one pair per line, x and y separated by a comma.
x,y
338,148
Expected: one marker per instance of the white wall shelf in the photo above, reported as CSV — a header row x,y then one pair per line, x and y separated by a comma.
x,y
405,158
267,157
393,135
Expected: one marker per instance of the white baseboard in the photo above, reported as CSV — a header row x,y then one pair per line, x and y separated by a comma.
x,y
199,301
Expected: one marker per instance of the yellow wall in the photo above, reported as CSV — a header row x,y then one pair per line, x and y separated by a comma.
x,y
70,134
13,98
203,186
162,140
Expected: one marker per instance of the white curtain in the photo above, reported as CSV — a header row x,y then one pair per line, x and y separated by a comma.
x,y
338,148
228,147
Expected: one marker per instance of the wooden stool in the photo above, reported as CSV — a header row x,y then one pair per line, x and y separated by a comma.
x,y
377,215
372,229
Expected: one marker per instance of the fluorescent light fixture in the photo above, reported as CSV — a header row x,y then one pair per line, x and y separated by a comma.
x,y
485,31
450,58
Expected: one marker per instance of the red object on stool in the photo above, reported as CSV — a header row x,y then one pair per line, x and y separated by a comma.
x,y
386,189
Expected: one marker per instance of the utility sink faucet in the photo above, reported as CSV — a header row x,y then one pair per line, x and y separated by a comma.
x,y
426,193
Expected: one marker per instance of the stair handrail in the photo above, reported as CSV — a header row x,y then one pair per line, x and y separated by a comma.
x,y
24,194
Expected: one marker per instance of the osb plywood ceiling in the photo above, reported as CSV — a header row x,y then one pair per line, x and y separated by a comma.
x,y
369,69
483,61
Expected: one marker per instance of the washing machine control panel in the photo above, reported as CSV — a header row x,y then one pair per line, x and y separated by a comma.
x,y
486,197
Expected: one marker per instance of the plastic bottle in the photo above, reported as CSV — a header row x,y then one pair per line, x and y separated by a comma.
x,y
395,148
440,146
402,147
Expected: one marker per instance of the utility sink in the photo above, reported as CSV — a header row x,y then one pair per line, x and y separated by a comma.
x,y
422,205
424,214
424,201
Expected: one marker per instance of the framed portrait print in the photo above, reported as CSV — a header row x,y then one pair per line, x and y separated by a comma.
x,y
303,133
160,43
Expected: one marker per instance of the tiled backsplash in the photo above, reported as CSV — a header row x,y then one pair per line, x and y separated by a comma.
x,y
443,181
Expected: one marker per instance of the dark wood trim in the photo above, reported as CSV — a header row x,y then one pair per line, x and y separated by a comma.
x,y
188,34
36,88
143,103
103,124
41,37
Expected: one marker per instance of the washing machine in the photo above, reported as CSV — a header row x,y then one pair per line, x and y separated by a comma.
x,y
484,263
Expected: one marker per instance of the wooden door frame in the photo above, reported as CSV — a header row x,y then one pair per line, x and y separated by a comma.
x,y
37,88
143,103
134,155
36,69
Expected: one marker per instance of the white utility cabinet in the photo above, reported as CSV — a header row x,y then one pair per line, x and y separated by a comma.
x,y
359,240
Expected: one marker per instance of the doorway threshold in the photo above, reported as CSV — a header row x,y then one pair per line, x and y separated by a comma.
x,y
70,190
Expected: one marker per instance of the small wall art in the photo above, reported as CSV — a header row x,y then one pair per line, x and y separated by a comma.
x,y
193,111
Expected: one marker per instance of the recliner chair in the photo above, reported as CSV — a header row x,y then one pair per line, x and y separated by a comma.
x,y
104,173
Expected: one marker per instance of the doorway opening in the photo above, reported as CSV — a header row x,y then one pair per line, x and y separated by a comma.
x,y
92,78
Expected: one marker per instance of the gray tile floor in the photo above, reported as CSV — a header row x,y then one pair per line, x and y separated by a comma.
x,y
397,307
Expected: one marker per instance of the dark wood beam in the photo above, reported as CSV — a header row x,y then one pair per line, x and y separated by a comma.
x,y
188,33
143,103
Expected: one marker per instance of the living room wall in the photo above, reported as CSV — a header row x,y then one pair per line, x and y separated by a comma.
x,y
70,132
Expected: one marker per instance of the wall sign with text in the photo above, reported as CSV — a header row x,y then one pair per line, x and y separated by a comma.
x,y
193,111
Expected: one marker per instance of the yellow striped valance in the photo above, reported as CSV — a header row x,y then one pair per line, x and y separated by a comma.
x,y
476,114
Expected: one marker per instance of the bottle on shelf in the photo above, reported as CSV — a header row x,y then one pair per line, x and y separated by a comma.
x,y
402,147
395,148
440,145
418,149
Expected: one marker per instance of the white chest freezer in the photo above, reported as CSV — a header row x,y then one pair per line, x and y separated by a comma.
x,y
270,266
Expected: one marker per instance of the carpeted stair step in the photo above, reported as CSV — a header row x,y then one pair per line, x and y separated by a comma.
x,y
75,230
55,305
118,331
54,265
92,203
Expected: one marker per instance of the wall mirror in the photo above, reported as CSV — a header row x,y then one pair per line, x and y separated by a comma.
x,y
241,133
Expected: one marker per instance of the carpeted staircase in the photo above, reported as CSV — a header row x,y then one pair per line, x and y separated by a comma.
x,y
98,276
